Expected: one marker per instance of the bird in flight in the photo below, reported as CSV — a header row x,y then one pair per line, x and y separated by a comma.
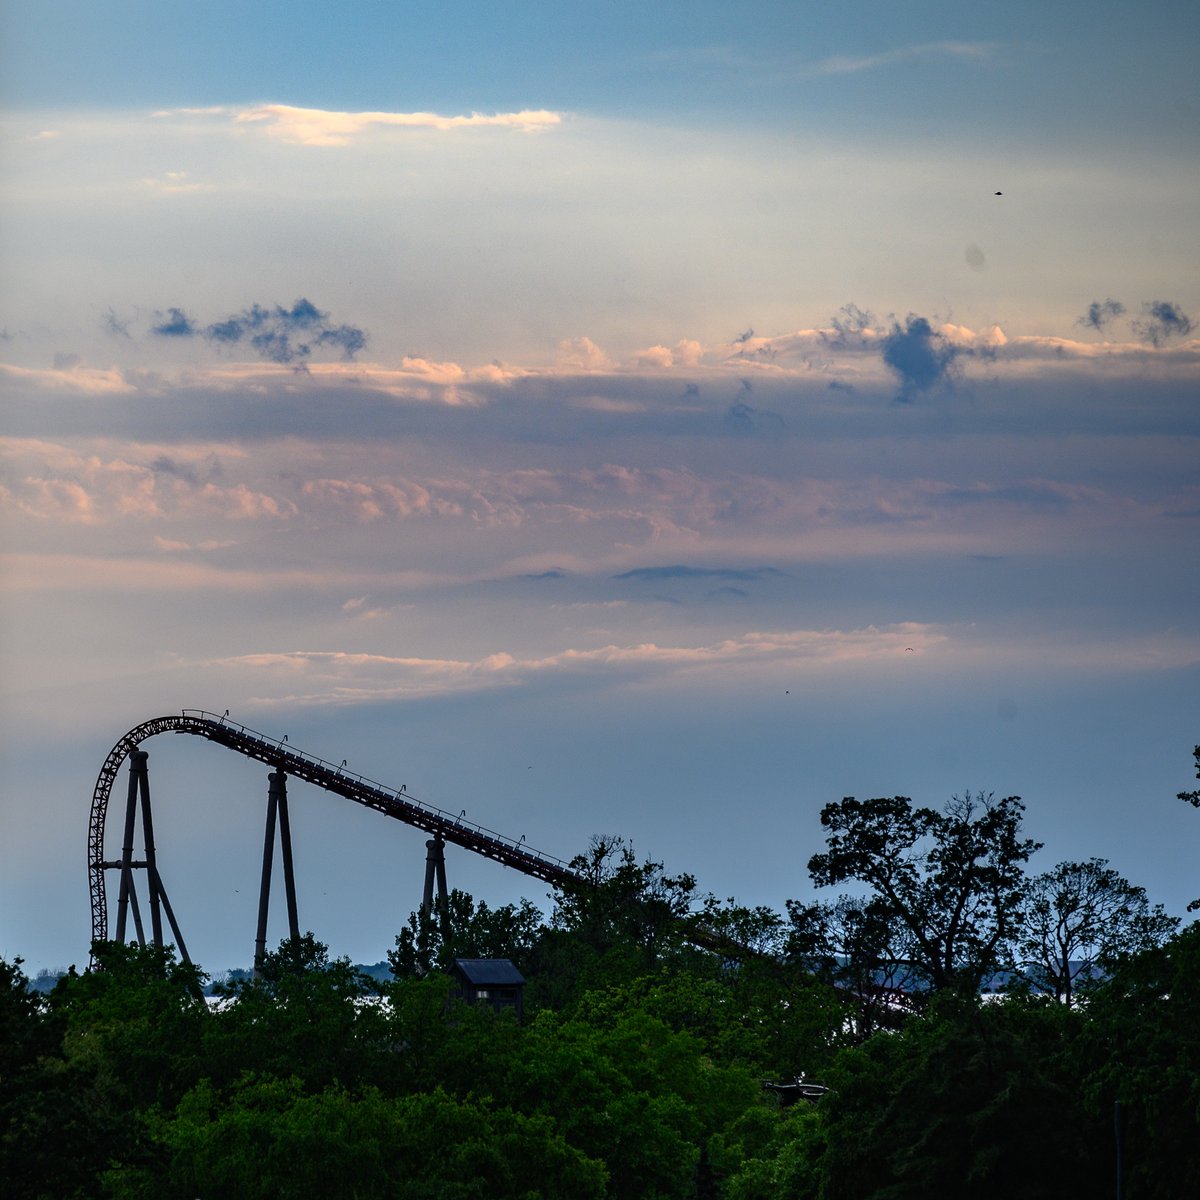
x,y
908,649
997,193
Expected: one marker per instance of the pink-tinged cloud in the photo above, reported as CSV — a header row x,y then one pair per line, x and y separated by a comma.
x,y
68,485
333,678
326,127
176,183
371,501
582,354
241,503
78,378
336,677
55,499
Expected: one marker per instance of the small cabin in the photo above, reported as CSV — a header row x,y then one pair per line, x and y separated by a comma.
x,y
493,981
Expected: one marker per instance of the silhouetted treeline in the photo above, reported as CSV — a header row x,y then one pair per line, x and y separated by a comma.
x,y
653,1018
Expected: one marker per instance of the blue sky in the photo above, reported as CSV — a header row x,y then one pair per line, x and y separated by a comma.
x,y
645,420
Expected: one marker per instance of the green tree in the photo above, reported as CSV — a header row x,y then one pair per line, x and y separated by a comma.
x,y
972,1099
628,1090
476,931
1194,799
853,945
621,903
621,920
136,1023
769,1154
57,1130
273,1140
304,1015
1142,1050
1077,920
945,887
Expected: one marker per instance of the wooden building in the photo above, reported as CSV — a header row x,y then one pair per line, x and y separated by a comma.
x,y
493,981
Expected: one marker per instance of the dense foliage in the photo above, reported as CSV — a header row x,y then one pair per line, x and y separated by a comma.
x,y
653,1020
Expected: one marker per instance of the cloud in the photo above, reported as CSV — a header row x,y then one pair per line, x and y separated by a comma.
x,y
60,482
74,379
327,127
55,499
679,571
113,324
1037,494
654,356
920,355
175,324
175,183
582,354
1100,313
743,418
841,64
278,334
1162,321
324,677
850,326
165,464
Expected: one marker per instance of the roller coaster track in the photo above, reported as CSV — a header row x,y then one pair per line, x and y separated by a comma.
x,y
281,756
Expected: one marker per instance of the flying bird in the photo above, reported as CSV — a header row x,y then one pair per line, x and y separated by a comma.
x,y
997,193
908,649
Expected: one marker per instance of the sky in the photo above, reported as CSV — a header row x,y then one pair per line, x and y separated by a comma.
x,y
641,420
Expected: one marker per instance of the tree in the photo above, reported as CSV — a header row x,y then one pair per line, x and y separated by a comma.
x,y
971,1099
1193,798
620,920
856,945
302,1016
476,931
272,1139
1142,1037
1078,919
621,902
945,888
136,1023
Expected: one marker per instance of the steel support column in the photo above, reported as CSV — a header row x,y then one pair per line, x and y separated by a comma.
x,y
139,789
128,894
435,866
152,884
277,814
264,890
279,786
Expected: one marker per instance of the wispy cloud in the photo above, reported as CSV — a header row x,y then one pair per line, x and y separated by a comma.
x,y
844,64
1161,321
680,571
328,127
278,334
336,677
176,183
1100,313
75,378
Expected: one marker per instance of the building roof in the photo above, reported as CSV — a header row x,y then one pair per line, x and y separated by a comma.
x,y
489,972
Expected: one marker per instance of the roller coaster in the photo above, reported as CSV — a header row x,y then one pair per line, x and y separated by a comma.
x,y
284,760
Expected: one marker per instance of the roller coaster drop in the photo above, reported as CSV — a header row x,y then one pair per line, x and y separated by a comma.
x,y
284,760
